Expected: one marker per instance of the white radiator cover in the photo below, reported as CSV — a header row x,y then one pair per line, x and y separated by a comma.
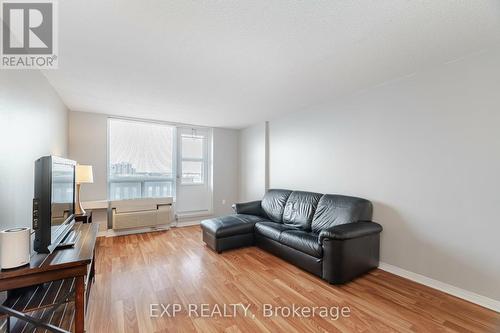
x,y
140,213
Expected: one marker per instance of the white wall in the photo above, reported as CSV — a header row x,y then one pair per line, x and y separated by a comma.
x,y
33,123
88,136
426,150
225,170
253,162
88,145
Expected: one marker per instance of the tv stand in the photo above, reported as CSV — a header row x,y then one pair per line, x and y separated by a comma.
x,y
68,241
67,274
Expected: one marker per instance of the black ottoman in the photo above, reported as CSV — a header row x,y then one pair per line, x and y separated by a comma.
x,y
229,232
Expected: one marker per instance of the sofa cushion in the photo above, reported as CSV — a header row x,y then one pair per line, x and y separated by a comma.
x,y
303,241
271,230
274,202
230,225
300,208
334,210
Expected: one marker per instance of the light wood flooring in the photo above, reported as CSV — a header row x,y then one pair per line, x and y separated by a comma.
x,y
175,267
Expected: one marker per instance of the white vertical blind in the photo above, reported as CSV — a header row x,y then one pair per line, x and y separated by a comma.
x,y
147,147
140,159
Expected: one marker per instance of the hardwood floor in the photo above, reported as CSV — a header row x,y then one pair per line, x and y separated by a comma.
x,y
175,267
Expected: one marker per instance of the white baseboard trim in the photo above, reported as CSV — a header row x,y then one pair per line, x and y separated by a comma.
x,y
181,224
444,287
193,215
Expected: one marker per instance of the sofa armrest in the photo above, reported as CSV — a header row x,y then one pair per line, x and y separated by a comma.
x,y
350,230
249,208
350,250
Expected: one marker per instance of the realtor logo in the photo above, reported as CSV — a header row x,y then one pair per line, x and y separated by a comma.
x,y
29,34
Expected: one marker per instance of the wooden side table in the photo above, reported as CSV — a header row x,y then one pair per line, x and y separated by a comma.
x,y
62,283
84,218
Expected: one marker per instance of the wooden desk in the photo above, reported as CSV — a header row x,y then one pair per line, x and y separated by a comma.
x,y
71,267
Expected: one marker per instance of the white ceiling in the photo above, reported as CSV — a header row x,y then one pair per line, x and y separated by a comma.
x,y
235,63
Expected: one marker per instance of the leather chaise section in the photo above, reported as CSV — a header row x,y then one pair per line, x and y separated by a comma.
x,y
303,241
334,210
231,225
300,208
274,202
271,230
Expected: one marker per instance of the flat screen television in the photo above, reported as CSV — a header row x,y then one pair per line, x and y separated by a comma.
x,y
54,201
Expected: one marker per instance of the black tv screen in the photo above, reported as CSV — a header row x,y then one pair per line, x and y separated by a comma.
x,y
54,201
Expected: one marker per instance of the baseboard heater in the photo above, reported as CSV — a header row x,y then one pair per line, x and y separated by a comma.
x,y
141,213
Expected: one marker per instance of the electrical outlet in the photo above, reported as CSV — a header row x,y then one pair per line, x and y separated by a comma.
x,y
223,201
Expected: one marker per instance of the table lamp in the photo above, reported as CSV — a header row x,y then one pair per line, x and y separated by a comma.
x,y
84,175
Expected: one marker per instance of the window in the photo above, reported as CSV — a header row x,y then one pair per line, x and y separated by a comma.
x,y
141,160
193,158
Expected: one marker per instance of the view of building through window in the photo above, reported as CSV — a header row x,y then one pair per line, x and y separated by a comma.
x,y
141,160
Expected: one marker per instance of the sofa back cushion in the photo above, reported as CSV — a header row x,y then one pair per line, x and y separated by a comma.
x,y
300,208
274,202
334,210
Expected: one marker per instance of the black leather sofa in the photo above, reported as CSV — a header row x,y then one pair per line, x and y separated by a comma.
x,y
331,236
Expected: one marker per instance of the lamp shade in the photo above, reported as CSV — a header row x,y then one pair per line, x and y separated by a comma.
x,y
84,174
